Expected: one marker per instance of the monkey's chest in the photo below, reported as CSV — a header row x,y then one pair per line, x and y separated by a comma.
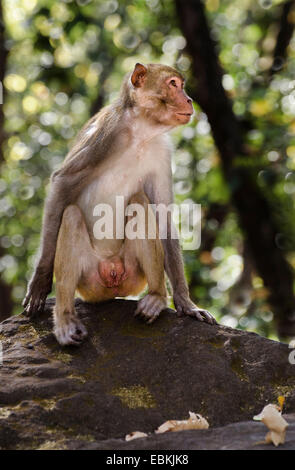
x,y
123,175
122,181
109,194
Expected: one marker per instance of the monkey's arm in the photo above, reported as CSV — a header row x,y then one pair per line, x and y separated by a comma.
x,y
66,184
174,267
64,190
60,195
41,282
175,271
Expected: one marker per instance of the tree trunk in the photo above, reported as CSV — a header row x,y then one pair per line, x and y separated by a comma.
x,y
254,211
284,37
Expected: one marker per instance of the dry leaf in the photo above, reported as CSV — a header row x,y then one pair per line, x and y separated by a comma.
x,y
277,425
281,401
275,438
135,435
195,421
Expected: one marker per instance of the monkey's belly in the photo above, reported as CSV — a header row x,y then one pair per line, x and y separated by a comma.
x,y
111,279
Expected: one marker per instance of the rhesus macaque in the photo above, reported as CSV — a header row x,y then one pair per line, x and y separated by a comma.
x,y
121,151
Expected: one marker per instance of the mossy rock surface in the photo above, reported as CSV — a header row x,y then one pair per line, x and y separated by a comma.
x,y
130,376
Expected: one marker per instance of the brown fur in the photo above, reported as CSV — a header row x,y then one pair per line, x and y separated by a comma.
x,y
119,151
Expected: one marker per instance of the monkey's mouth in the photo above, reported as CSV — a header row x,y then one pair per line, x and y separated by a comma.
x,y
185,114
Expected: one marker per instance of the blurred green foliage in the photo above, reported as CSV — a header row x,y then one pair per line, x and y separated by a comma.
x,y
64,55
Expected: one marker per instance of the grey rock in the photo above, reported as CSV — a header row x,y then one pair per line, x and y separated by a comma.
x,y
238,436
130,376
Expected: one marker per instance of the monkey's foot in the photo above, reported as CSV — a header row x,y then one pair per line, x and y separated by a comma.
x,y
69,330
185,306
150,307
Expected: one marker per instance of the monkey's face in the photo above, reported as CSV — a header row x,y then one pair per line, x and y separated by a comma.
x,y
179,105
159,94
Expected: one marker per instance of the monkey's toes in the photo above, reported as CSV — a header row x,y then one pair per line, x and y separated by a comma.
x,y
150,307
70,332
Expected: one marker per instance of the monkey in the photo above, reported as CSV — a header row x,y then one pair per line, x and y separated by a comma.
x,y
122,150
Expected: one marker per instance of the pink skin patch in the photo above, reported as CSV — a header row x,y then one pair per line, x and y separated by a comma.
x,y
100,283
111,272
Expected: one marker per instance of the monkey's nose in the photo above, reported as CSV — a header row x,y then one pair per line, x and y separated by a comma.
x,y
113,274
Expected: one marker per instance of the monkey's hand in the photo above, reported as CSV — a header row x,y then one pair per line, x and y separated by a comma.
x,y
38,289
185,306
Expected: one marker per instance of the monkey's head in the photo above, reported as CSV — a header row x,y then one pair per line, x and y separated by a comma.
x,y
157,92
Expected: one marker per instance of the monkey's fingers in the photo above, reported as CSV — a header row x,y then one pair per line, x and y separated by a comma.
x,y
188,310
200,314
27,299
208,317
30,309
179,311
195,312
42,304
38,289
35,305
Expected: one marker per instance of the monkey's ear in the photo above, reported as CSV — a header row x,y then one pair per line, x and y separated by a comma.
x,y
138,75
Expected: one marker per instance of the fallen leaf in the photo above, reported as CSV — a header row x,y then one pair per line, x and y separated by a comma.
x,y
281,401
135,435
277,425
275,438
195,421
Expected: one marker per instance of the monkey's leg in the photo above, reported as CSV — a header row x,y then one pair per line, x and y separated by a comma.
x,y
74,255
150,257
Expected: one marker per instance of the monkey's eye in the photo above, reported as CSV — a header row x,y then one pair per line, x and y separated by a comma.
x,y
173,83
